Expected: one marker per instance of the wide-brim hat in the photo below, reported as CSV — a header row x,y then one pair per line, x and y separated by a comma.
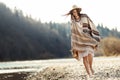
x,y
75,7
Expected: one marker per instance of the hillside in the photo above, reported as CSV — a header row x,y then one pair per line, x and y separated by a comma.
x,y
23,38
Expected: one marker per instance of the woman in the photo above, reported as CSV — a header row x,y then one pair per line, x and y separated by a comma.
x,y
84,38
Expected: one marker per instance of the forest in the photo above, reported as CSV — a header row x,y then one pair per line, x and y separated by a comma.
x,y
23,38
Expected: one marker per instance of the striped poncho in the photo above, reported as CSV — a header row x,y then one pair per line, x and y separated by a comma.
x,y
82,41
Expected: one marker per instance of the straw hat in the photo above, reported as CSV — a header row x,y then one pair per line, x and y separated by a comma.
x,y
75,7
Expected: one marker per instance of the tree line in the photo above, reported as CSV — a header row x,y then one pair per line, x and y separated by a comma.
x,y
23,38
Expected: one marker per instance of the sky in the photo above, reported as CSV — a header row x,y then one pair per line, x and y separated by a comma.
x,y
104,12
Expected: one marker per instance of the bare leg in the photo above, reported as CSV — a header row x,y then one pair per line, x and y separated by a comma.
x,y
90,59
86,64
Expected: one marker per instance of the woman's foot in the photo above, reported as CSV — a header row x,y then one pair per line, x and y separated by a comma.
x,y
92,71
89,77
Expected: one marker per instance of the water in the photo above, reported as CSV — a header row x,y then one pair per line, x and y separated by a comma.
x,y
36,65
29,66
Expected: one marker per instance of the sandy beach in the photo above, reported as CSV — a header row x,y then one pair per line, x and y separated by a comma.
x,y
106,68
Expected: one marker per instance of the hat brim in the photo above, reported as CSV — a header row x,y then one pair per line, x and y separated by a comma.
x,y
79,9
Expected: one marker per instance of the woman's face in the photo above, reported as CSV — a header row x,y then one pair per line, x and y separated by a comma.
x,y
74,12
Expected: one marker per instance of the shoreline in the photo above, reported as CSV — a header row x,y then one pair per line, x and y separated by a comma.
x,y
106,68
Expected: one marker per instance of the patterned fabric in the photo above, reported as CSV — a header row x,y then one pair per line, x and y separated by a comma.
x,y
82,43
